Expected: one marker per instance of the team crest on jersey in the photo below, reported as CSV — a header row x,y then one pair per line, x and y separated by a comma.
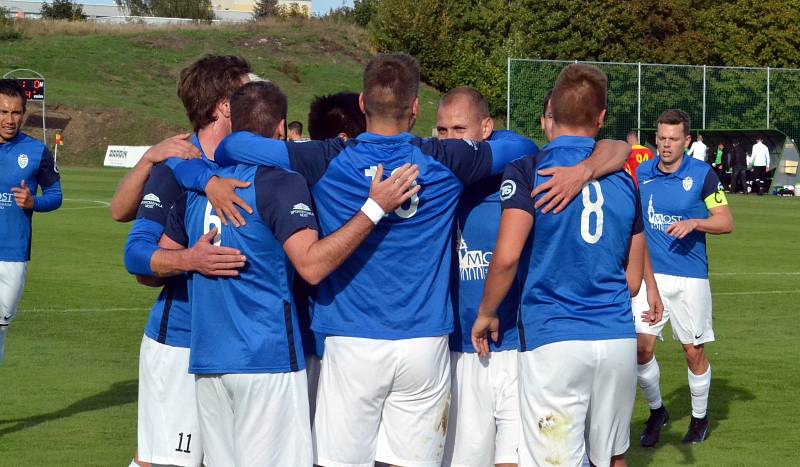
x,y
507,189
687,183
473,265
151,201
302,210
22,160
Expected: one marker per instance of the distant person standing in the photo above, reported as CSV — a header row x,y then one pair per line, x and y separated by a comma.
x,y
638,155
739,164
25,164
698,149
760,155
295,131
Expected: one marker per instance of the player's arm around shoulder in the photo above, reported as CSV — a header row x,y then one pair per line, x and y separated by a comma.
x,y
315,258
609,156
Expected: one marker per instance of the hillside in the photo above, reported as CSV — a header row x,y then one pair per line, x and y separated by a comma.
x,y
116,85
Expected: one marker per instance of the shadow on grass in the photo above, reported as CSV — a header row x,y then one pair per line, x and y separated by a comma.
x,y
122,392
679,404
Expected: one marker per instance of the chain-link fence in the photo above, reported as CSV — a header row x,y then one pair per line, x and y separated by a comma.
x,y
718,98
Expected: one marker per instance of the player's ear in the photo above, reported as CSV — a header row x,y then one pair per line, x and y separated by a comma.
x,y
601,118
224,108
361,103
414,112
487,127
280,130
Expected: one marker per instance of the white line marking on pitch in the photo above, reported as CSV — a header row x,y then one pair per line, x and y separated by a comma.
x,y
759,292
788,273
69,310
99,204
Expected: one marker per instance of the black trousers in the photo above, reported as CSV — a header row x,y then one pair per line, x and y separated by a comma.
x,y
739,173
760,176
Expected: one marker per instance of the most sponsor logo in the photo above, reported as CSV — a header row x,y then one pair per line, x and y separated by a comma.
x,y
6,200
473,265
658,220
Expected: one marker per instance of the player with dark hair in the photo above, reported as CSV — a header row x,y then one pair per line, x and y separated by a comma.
x,y
683,200
167,412
25,165
639,154
387,306
245,348
576,340
335,115
295,131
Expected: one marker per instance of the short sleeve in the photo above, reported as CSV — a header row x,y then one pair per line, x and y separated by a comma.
x,y
48,172
284,202
469,160
311,158
638,221
713,193
175,226
516,187
160,192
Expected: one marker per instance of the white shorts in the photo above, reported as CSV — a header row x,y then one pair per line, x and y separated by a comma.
x,y
168,428
12,282
687,303
255,419
384,400
484,426
575,393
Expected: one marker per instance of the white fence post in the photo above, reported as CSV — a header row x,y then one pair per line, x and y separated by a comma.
x,y
508,94
704,97
768,97
639,106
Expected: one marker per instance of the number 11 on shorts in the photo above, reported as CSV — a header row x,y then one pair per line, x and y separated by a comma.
x,y
188,443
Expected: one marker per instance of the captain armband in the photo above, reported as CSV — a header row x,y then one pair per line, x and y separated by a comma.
x,y
716,199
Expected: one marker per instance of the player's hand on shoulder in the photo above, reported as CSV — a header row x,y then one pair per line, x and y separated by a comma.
x,y
211,260
485,327
174,146
23,196
396,189
565,183
221,193
681,229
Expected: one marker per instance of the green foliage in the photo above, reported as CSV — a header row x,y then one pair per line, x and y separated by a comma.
x,y
265,8
191,9
8,29
63,9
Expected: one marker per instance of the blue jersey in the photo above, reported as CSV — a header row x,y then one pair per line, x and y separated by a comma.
x,y
396,284
687,193
477,221
22,158
169,321
248,323
572,270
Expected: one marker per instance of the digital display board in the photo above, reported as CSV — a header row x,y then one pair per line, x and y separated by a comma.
x,y
33,88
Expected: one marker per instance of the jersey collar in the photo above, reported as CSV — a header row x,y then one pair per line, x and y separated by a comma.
x,y
571,142
682,169
373,138
16,139
196,142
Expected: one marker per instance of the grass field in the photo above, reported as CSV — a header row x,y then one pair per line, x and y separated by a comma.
x,y
68,384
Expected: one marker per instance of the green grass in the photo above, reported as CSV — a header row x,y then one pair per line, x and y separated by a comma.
x,y
128,76
69,380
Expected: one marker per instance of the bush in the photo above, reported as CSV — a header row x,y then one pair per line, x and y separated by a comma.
x,y
8,28
265,9
198,9
63,9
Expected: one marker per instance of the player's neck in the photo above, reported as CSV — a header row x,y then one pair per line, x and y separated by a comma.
x,y
210,137
387,127
566,130
672,167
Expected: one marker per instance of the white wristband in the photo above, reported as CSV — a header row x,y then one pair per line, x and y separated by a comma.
x,y
373,210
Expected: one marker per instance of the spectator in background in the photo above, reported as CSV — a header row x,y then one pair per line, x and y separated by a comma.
x,y
739,164
698,149
335,115
295,131
717,163
760,155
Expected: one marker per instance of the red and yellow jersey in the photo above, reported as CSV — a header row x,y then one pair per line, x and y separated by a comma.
x,y
638,155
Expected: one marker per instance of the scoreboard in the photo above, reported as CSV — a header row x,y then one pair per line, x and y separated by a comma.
x,y
33,88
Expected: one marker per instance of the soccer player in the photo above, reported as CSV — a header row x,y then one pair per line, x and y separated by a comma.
x,y
168,428
295,131
483,391
245,344
576,340
682,200
335,115
25,165
638,155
